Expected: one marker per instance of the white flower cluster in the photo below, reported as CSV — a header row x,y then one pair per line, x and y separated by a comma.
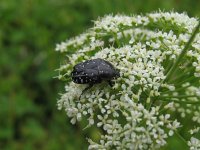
x,y
194,143
136,112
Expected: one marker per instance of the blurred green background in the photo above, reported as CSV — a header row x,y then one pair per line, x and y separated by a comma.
x,y
29,30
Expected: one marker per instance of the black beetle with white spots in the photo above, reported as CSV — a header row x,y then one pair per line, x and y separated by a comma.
x,y
94,71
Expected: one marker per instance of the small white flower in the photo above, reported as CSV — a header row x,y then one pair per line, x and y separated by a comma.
x,y
195,130
194,143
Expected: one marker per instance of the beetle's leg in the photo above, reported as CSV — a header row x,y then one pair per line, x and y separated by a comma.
x,y
110,83
87,88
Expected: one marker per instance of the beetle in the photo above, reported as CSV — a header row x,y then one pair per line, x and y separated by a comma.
x,y
94,71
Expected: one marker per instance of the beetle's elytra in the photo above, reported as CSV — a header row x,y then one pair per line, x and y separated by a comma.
x,y
94,71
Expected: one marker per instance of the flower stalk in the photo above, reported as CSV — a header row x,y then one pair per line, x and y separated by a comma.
x,y
182,54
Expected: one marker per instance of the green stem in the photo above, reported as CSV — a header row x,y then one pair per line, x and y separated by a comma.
x,y
186,80
182,74
182,54
178,101
181,138
116,40
123,34
169,65
178,96
176,90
